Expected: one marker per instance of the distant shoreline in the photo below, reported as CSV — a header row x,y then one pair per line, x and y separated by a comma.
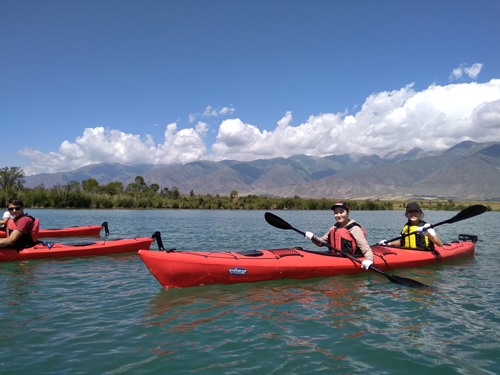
x,y
356,205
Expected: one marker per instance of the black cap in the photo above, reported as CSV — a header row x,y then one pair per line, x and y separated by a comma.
x,y
341,204
413,206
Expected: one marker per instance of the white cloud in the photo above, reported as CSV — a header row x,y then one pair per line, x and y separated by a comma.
x,y
456,73
211,112
99,145
433,119
472,71
226,111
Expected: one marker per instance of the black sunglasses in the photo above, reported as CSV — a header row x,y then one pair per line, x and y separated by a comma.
x,y
17,208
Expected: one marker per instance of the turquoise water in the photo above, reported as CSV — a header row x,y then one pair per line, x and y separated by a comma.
x,y
109,315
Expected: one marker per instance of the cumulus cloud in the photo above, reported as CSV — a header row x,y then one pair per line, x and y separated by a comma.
x,y
433,119
99,145
211,112
472,71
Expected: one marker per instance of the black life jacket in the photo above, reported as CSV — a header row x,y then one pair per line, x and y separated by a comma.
x,y
27,239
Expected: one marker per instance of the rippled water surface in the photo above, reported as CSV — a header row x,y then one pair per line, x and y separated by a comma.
x,y
109,315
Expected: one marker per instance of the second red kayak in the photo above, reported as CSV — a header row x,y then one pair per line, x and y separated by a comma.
x,y
91,230
60,250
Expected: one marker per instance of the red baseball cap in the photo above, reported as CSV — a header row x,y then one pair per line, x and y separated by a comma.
x,y
341,204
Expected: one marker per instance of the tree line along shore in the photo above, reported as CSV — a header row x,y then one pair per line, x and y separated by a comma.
x,y
90,194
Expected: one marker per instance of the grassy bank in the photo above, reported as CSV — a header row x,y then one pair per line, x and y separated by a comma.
x,y
66,198
446,205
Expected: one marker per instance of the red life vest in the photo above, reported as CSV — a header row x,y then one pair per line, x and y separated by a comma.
x,y
341,239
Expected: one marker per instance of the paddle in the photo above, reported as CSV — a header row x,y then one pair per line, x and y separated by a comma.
x,y
105,226
278,222
466,213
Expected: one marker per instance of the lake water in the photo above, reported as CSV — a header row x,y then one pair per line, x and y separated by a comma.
x,y
109,315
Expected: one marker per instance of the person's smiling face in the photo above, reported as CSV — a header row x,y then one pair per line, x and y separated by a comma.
x,y
341,215
414,216
15,211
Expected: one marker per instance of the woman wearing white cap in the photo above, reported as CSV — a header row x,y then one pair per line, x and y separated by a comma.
x,y
425,236
345,235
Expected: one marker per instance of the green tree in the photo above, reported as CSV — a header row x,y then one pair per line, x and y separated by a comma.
x,y
139,180
12,177
72,186
131,188
137,186
234,193
113,188
174,193
90,185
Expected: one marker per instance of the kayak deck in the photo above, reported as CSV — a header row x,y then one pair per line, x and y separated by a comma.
x,y
59,250
91,230
184,269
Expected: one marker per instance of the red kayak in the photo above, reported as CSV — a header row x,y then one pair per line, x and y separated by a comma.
x,y
60,250
183,268
93,230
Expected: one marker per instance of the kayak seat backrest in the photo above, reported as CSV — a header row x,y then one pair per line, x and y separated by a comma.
x,y
251,253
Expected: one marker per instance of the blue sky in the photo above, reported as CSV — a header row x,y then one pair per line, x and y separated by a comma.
x,y
84,82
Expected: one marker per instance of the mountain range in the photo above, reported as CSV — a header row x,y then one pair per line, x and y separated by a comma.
x,y
468,170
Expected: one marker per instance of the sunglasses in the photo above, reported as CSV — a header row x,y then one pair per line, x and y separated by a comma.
x,y
17,208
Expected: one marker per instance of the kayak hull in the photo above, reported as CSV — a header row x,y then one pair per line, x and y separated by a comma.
x,y
91,230
60,250
185,269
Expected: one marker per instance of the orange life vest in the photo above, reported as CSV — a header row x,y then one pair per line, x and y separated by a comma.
x,y
341,239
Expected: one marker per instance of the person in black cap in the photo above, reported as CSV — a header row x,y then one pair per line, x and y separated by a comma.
x,y
346,235
424,237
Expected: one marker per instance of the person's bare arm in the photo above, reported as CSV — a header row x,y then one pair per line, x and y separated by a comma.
x,y
11,240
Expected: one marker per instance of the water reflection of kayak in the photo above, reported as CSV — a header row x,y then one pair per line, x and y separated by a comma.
x,y
188,268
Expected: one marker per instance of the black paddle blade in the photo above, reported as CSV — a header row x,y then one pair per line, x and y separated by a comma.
x,y
467,213
276,221
404,281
